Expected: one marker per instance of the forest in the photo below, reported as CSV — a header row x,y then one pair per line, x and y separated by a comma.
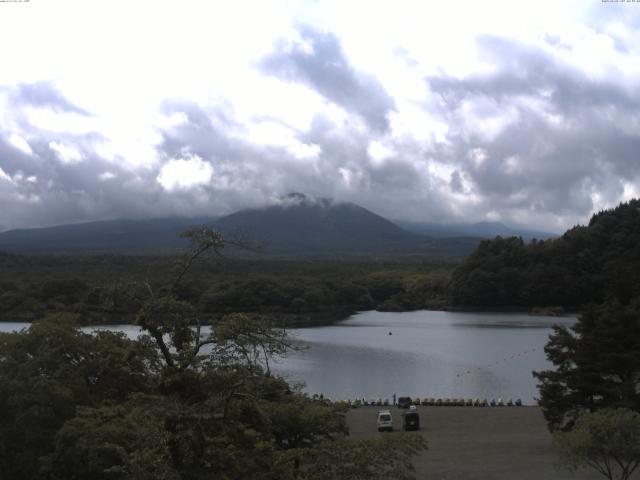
x,y
178,404
98,288
172,403
588,264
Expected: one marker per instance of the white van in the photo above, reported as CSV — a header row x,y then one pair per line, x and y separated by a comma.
x,y
385,421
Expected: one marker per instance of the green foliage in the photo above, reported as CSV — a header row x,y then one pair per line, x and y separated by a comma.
x,y
182,400
587,264
125,441
597,364
50,370
300,422
175,403
607,440
10,300
66,291
111,289
385,457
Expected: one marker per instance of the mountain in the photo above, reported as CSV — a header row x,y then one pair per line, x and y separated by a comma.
x,y
160,235
479,229
304,225
297,227
300,226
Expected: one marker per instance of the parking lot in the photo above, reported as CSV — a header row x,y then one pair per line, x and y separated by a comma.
x,y
475,443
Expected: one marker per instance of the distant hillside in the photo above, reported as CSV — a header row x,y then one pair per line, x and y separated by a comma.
x,y
587,264
317,226
303,226
122,236
298,227
479,229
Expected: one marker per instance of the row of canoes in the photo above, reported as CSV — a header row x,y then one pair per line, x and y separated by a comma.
x,y
438,402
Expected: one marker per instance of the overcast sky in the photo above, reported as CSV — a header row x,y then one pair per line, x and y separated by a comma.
x,y
522,112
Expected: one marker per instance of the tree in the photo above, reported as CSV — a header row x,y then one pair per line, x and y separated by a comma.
x,y
607,440
597,364
191,398
383,457
51,370
234,419
123,441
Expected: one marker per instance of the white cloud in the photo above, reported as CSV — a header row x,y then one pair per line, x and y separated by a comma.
x,y
183,174
66,154
379,152
303,151
512,165
4,176
20,143
478,156
270,133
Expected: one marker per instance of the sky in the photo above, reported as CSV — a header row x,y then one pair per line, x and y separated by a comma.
x,y
527,113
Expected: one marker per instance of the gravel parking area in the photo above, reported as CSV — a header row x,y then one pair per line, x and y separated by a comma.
x,y
474,443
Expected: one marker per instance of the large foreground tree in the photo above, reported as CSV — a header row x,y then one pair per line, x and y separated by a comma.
x,y
189,399
607,441
597,364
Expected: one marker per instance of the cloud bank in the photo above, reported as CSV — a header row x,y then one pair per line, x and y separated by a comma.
x,y
537,130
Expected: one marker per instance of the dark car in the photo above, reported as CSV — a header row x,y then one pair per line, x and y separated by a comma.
x,y
411,420
404,402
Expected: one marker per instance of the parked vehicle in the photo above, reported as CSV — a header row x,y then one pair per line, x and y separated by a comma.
x,y
411,420
404,402
385,421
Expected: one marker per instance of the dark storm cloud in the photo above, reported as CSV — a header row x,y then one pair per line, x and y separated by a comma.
x,y
568,137
42,190
42,94
319,62
456,182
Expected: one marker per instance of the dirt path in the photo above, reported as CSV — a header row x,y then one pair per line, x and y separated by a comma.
x,y
471,443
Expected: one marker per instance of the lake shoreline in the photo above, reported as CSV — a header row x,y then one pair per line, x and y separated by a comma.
x,y
286,320
289,320
435,354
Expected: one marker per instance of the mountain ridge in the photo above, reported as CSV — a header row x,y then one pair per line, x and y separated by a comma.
x,y
482,229
295,226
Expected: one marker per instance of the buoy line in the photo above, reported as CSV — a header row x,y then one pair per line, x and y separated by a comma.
x,y
497,362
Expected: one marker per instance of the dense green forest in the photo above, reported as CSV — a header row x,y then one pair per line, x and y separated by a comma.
x,y
588,264
172,404
99,288
175,404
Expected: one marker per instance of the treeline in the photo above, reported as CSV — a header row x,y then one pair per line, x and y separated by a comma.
x,y
588,264
99,288
94,407
174,403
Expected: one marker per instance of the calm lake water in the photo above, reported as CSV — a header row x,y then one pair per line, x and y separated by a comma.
x,y
423,354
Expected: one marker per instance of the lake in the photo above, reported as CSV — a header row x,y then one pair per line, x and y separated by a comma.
x,y
424,354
